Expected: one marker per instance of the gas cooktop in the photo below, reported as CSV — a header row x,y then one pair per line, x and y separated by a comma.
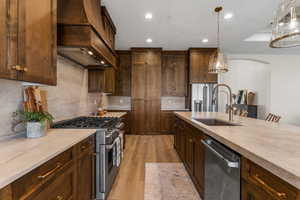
x,y
88,122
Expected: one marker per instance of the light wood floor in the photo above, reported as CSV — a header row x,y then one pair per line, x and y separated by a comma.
x,y
129,184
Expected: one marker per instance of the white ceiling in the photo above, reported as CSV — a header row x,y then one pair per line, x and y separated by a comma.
x,y
178,25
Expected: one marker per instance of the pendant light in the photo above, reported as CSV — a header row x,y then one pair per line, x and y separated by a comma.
x,y
286,25
218,61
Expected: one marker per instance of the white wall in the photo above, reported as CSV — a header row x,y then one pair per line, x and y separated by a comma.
x,y
251,75
277,83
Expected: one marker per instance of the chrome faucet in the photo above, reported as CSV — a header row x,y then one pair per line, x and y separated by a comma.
x,y
230,107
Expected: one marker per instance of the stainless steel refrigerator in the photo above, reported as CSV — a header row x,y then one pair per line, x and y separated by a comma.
x,y
202,98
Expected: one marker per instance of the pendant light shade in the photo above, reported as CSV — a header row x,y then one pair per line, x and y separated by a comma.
x,y
286,25
218,61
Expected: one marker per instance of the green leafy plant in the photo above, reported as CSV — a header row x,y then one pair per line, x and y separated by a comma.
x,y
36,116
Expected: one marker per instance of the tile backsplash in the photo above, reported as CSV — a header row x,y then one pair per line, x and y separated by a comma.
x,y
172,103
68,99
118,103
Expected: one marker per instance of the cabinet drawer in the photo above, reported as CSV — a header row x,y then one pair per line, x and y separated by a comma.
x,y
62,188
85,145
30,182
268,182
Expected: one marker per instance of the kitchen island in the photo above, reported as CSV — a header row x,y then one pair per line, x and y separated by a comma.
x,y
273,147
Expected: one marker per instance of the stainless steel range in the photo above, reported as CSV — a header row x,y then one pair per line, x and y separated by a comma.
x,y
109,148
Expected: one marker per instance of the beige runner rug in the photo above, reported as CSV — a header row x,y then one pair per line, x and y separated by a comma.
x,y
168,181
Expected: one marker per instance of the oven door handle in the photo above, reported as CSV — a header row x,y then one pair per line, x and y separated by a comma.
x,y
112,145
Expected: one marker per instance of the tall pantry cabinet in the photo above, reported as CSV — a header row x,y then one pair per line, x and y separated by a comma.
x,y
146,90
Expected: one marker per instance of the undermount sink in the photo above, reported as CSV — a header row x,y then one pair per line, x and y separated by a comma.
x,y
216,122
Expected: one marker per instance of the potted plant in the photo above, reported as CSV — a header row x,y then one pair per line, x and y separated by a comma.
x,y
36,123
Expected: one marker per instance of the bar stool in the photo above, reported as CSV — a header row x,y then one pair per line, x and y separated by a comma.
x,y
273,118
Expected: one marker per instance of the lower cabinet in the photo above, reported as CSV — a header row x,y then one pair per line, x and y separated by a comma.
x,y
85,172
69,175
166,122
260,184
191,151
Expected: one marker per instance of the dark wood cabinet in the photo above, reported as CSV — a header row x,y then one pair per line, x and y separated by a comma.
x,y
6,193
8,39
167,120
138,116
199,60
146,116
69,175
174,73
85,169
109,80
191,151
260,184
28,41
101,80
123,74
152,119
146,90
251,192
199,161
109,29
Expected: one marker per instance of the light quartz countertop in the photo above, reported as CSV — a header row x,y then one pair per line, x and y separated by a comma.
x,y
20,155
115,114
274,146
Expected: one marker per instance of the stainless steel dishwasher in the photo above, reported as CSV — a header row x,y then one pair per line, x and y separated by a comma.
x,y
222,172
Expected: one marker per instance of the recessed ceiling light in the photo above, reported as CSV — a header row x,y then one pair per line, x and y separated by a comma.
x,y
90,52
228,16
148,16
102,62
149,40
205,40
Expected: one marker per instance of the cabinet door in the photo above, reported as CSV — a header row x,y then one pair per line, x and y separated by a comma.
x,y
37,40
138,75
167,121
85,176
189,155
174,74
123,80
138,116
182,140
96,81
199,162
251,192
110,78
152,119
153,75
8,13
199,60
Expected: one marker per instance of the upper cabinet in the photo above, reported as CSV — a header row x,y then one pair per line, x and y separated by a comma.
x,y
102,80
28,41
123,74
146,73
86,33
199,60
174,73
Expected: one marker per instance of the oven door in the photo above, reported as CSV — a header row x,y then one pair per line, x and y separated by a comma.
x,y
106,169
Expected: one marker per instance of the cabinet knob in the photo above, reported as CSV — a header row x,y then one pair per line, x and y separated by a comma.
x,y
19,68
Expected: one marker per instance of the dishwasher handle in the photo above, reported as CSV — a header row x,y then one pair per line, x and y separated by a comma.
x,y
229,163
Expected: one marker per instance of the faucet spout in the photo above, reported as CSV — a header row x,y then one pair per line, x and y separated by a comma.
x,y
230,107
